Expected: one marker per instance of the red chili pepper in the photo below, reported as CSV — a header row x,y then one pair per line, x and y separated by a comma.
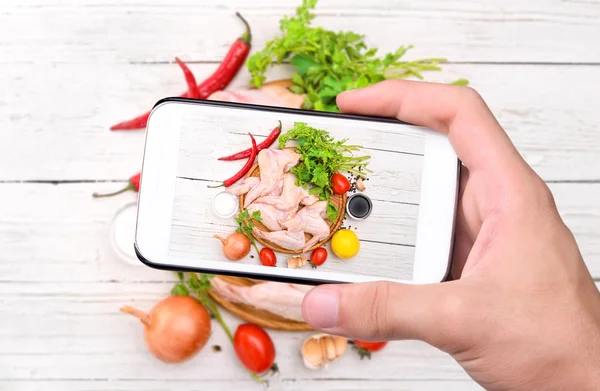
x,y
244,169
189,79
231,64
133,185
135,123
264,145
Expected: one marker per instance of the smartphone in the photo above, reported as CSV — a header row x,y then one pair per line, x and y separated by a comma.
x,y
395,222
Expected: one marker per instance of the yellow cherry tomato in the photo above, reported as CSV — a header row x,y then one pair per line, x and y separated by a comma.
x,y
345,244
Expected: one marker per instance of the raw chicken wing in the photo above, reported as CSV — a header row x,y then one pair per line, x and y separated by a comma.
x,y
278,298
251,182
311,220
269,214
309,199
290,197
244,186
273,164
291,240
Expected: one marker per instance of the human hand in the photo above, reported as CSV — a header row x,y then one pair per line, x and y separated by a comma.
x,y
522,312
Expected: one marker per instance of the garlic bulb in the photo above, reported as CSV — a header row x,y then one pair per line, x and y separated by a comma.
x,y
297,262
320,349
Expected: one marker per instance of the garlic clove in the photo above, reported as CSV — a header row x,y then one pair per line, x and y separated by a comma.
x,y
297,262
311,354
320,349
360,184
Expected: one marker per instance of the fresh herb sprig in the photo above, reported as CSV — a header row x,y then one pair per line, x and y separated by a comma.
x,y
199,284
322,156
246,224
328,63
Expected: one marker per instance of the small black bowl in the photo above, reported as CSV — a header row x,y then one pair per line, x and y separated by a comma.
x,y
355,205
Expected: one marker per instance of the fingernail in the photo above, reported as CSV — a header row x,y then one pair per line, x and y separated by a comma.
x,y
320,308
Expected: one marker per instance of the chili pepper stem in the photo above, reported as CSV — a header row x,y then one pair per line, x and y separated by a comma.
x,y
129,187
214,187
247,36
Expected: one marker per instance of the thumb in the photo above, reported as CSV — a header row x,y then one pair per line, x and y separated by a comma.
x,y
383,311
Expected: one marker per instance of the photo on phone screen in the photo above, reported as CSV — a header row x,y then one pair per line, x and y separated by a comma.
x,y
290,189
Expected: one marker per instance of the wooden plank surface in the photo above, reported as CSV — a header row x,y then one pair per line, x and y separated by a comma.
x,y
226,385
91,339
148,31
546,110
60,271
69,70
59,232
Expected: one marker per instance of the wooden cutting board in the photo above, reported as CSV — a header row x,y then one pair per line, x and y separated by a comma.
x,y
251,314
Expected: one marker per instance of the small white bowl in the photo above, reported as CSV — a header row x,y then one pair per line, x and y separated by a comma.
x,y
229,207
122,234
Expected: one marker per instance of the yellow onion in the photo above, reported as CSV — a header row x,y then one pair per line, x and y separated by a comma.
x,y
236,246
176,329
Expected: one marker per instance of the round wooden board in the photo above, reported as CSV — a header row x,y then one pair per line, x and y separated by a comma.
x,y
338,200
250,314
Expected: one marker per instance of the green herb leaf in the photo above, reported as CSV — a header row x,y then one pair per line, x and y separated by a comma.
x,y
328,62
332,211
297,89
460,82
205,281
246,224
180,290
304,64
297,79
321,157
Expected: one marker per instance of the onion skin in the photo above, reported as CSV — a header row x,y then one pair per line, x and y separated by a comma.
x,y
236,246
176,329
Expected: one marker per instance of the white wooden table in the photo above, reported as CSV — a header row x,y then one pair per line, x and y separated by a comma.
x,y
68,71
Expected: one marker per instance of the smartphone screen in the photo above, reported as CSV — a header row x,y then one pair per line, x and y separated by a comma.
x,y
391,177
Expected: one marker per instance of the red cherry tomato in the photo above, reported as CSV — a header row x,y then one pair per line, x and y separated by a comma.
x,y
267,257
254,348
370,346
339,184
319,256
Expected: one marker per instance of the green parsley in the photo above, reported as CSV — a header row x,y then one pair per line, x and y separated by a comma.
x,y
322,156
328,63
180,290
246,223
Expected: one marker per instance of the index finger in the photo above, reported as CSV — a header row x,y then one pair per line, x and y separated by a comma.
x,y
478,139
